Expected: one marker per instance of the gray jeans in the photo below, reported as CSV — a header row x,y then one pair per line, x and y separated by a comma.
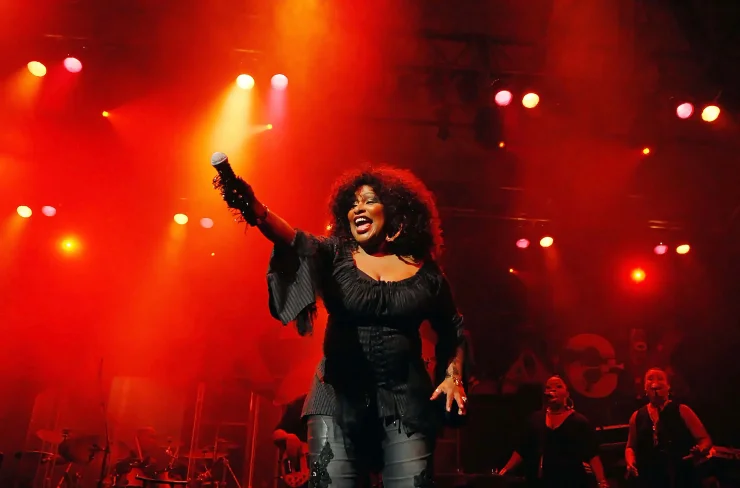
x,y
336,463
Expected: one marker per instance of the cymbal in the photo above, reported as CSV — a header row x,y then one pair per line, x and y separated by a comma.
x,y
50,436
79,450
171,444
222,444
204,455
39,456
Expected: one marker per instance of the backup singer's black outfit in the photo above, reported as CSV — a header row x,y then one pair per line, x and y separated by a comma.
x,y
659,453
369,401
292,423
292,419
560,452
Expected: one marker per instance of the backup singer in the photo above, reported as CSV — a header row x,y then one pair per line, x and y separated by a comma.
x,y
289,435
290,432
556,444
663,436
370,405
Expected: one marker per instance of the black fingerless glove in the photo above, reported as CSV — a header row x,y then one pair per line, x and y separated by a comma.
x,y
239,196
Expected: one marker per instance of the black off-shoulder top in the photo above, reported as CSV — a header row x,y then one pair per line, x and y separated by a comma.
x,y
372,365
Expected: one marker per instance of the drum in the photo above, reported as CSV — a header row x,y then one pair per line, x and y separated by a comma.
x,y
174,474
126,473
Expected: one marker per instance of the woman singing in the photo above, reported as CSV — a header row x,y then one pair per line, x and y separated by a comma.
x,y
557,443
663,436
369,407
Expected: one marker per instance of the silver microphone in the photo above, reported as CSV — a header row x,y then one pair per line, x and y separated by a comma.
x,y
220,162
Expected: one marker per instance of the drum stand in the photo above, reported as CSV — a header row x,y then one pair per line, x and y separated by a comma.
x,y
106,450
227,465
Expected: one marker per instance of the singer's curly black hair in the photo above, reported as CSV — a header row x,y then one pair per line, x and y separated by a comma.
x,y
406,201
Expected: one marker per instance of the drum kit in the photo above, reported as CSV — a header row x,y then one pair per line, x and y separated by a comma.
x,y
152,462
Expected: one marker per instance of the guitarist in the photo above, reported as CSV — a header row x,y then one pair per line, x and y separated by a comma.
x,y
290,436
663,437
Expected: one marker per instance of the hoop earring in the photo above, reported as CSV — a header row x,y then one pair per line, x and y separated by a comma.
x,y
570,404
395,236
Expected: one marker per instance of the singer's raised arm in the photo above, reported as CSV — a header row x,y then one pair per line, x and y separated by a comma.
x,y
273,226
298,260
296,267
240,196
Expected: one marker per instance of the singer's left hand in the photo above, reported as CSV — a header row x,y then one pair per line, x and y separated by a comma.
x,y
454,390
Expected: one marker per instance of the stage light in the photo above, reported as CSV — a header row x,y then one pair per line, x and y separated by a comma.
x,y
181,219
24,211
638,275
73,65
546,241
268,127
69,245
105,113
36,68
646,151
279,82
522,243
710,113
49,211
501,144
660,249
685,110
530,100
206,223
503,98
683,249
512,271
245,82
213,254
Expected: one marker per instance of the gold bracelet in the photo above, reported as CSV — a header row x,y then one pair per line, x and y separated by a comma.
x,y
455,379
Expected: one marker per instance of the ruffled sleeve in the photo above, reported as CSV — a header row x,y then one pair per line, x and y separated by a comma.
x,y
447,322
294,278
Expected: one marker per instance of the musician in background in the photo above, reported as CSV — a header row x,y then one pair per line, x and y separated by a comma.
x,y
290,433
663,437
557,443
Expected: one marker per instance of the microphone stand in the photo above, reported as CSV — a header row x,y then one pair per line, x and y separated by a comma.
x,y
106,450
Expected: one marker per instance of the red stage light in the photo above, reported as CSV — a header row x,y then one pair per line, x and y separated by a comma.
x,y
660,249
181,219
646,151
685,110
522,243
531,100
279,82
206,223
24,211
503,98
73,65
546,241
637,275
49,211
683,249
105,113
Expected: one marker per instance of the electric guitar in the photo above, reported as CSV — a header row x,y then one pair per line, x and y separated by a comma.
x,y
295,471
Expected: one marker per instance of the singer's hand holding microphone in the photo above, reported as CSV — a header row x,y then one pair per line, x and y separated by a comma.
x,y
236,192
